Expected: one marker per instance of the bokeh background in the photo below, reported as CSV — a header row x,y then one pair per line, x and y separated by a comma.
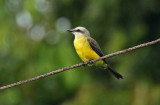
x,y
34,41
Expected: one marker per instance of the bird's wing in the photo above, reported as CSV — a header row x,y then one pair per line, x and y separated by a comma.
x,y
95,46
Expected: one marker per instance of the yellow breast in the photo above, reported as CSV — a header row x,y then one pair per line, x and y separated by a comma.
x,y
84,49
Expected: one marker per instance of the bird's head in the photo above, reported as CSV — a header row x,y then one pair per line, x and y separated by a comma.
x,y
79,31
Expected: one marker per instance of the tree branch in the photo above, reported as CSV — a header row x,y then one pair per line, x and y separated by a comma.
x,y
80,64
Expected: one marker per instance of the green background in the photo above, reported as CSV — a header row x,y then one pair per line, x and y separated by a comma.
x,y
34,41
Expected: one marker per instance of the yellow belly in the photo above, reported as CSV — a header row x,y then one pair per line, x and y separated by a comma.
x,y
85,51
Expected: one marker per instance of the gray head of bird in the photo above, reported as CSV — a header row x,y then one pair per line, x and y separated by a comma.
x,y
79,31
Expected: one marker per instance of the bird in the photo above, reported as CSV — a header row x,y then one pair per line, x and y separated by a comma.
x,y
88,49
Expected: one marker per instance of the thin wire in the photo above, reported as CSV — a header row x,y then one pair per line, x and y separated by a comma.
x,y
80,64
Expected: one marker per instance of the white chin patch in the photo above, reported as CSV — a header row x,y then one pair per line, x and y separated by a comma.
x,y
78,34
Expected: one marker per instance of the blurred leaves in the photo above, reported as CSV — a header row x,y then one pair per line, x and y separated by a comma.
x,y
34,40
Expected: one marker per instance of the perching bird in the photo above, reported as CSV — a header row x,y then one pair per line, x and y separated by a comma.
x,y
88,49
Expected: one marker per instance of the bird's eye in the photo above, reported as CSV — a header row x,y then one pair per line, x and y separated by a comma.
x,y
78,30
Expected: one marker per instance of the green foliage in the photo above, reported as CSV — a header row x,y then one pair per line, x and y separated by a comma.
x,y
34,40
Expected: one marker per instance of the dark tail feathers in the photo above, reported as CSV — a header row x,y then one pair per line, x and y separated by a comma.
x,y
116,74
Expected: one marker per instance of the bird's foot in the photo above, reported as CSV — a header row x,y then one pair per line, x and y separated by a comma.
x,y
86,63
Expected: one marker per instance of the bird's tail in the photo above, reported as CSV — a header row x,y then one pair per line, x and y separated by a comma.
x,y
116,74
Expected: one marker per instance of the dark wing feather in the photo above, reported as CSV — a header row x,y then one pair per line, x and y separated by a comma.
x,y
95,46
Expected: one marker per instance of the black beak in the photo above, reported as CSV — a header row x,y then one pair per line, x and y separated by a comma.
x,y
70,30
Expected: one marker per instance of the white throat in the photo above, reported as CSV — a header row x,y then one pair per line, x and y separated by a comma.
x,y
79,35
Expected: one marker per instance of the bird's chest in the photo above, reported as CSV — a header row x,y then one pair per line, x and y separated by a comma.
x,y
81,44
82,47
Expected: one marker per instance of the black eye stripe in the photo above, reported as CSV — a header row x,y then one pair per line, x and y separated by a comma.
x,y
78,30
